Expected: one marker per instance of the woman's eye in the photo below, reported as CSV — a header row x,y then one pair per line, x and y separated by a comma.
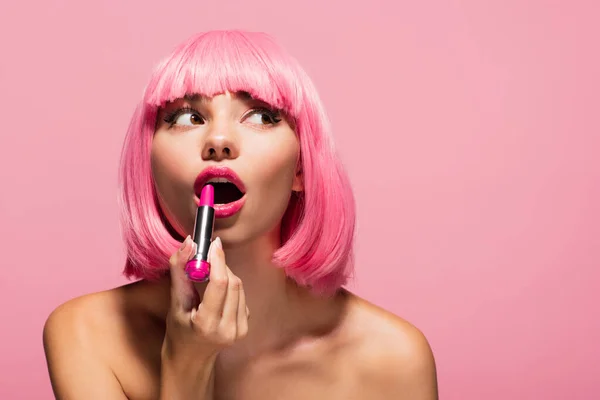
x,y
263,117
188,118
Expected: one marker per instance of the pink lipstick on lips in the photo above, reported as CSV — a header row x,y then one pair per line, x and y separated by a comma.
x,y
198,268
222,210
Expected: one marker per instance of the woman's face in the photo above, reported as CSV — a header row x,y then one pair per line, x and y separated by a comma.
x,y
233,131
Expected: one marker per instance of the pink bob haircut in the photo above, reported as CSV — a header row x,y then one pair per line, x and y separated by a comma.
x,y
317,229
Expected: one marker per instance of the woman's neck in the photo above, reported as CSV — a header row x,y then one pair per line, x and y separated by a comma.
x,y
281,312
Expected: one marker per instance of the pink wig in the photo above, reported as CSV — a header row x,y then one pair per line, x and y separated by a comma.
x,y
318,226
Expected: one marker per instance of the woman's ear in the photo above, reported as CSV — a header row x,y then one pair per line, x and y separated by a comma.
x,y
298,184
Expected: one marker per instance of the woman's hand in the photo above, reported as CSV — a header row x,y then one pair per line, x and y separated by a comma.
x,y
197,330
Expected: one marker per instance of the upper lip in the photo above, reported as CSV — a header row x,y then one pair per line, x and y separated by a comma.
x,y
217,172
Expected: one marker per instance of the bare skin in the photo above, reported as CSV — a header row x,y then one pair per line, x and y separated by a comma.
x,y
347,348
251,332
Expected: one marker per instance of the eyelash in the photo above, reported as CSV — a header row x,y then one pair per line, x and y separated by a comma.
x,y
170,117
173,115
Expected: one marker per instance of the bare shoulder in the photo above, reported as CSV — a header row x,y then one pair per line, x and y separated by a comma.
x,y
79,338
86,318
76,316
395,355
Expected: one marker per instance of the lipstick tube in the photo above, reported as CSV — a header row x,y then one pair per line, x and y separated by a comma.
x,y
197,268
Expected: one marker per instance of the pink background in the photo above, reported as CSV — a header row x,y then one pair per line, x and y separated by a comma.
x,y
471,134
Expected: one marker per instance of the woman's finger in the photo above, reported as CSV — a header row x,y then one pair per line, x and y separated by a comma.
x,y
242,314
230,309
184,296
213,301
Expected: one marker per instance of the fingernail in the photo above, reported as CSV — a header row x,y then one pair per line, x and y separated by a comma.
x,y
184,243
216,244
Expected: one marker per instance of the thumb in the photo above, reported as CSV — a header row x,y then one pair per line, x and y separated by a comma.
x,y
183,294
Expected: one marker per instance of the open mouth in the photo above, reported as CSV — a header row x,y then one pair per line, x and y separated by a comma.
x,y
225,191
229,190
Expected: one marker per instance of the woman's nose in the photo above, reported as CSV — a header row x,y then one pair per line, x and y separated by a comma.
x,y
219,146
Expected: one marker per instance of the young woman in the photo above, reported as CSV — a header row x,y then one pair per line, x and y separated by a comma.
x,y
273,321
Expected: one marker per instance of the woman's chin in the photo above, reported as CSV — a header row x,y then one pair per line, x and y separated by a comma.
x,y
242,234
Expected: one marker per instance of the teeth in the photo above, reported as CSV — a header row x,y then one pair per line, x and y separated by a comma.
x,y
218,180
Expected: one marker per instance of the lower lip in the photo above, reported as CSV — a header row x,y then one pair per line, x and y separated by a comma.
x,y
229,209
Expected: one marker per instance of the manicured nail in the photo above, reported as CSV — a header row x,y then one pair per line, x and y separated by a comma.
x,y
184,243
194,250
216,244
